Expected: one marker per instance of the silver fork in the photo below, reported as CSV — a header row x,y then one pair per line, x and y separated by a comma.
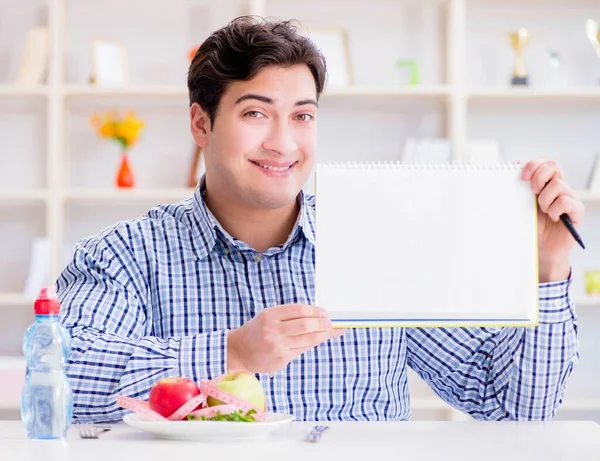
x,y
91,431
316,433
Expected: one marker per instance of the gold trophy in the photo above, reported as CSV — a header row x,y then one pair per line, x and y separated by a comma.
x,y
593,33
519,40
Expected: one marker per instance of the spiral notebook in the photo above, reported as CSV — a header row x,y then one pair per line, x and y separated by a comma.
x,y
402,245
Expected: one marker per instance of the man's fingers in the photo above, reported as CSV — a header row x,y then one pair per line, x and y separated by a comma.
x,y
571,206
307,325
303,343
530,168
297,311
542,175
552,190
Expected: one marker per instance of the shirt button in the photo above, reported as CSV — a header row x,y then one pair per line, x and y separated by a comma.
x,y
257,258
226,251
557,303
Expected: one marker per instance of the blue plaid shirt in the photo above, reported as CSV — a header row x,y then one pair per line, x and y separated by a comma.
x,y
155,296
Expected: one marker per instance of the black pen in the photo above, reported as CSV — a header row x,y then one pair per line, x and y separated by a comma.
x,y
569,225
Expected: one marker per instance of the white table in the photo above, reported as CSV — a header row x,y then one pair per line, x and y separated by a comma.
x,y
465,441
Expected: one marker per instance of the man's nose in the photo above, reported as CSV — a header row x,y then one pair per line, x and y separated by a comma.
x,y
281,139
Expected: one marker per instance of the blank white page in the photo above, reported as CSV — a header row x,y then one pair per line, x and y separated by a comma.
x,y
412,245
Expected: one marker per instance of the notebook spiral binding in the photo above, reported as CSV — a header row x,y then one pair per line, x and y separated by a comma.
x,y
396,164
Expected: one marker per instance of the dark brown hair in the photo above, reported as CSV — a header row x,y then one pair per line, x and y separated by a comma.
x,y
240,50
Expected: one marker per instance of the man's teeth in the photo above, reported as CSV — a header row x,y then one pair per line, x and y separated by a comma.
x,y
274,168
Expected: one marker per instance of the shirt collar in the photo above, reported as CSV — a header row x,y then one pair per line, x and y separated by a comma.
x,y
206,226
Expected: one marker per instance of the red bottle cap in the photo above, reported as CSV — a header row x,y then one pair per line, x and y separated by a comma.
x,y
47,303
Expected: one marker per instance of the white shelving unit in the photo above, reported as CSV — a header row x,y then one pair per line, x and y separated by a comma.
x,y
534,93
590,300
14,299
64,182
172,194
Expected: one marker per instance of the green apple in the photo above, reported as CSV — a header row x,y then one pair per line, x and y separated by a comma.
x,y
244,386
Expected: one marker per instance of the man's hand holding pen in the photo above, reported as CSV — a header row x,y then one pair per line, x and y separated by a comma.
x,y
555,198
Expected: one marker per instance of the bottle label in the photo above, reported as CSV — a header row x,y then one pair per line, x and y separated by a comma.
x,y
47,411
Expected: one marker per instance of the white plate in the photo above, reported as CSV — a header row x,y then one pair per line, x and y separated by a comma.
x,y
209,430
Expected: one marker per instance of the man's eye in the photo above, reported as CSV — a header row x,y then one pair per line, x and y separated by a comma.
x,y
304,117
254,114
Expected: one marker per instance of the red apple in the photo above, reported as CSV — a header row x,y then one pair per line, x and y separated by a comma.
x,y
169,394
244,386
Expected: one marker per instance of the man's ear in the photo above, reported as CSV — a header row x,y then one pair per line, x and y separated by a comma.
x,y
200,125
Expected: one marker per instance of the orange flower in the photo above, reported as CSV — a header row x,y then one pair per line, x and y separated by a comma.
x,y
192,52
107,129
129,129
125,131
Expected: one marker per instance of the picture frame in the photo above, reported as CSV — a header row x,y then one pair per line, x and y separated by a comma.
x,y
108,63
333,43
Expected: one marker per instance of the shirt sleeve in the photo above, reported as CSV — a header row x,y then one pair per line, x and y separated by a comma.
x,y
513,373
104,306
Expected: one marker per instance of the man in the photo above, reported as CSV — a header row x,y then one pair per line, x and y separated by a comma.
x,y
225,280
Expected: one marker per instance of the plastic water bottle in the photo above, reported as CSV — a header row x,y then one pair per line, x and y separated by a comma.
x,y
47,399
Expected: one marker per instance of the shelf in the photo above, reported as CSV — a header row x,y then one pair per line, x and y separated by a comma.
x,y
533,92
589,301
142,90
23,195
8,363
591,404
182,91
16,90
358,90
128,195
14,299
589,198
171,193
388,91
581,404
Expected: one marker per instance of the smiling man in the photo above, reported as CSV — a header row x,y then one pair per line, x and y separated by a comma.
x,y
225,279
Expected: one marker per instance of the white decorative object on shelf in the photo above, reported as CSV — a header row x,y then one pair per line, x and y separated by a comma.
x,y
429,151
593,33
109,63
556,78
483,152
39,267
594,181
333,43
34,60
